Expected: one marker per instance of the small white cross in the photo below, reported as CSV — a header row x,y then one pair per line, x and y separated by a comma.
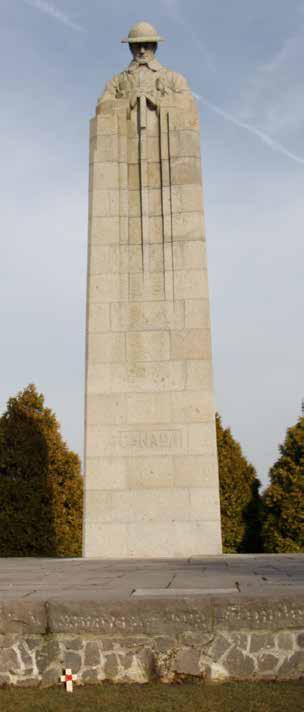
x,y
68,678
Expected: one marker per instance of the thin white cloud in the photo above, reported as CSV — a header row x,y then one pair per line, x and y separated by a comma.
x,y
264,137
173,9
274,95
52,11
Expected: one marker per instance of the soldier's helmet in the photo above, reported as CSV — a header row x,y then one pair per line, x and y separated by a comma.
x,y
142,32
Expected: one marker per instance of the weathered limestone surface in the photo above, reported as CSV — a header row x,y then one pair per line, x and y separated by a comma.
x,y
151,462
231,617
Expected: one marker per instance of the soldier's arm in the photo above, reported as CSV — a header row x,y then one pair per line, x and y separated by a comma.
x,y
180,84
110,91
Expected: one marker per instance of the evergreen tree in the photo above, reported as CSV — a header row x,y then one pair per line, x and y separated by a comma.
x,y
283,500
239,495
40,482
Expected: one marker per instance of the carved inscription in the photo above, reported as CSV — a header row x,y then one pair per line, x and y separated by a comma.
x,y
148,441
156,439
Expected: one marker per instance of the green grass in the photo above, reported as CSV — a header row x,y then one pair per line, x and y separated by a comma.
x,y
190,697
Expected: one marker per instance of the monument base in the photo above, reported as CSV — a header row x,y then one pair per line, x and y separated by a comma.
x,y
216,618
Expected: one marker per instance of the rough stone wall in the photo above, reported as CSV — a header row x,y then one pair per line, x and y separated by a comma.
x,y
36,660
215,638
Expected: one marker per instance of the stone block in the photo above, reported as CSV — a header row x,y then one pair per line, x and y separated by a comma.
x,y
175,539
90,677
292,667
149,408
155,202
197,313
195,471
285,641
25,655
187,662
188,226
154,174
72,661
185,143
201,438
190,344
130,258
9,662
189,254
153,148
135,441
300,640
267,663
123,149
186,171
186,198
104,231
51,676
104,148
73,644
104,259
104,124
133,151
150,472
155,230
238,664
199,375
150,288
155,257
22,617
106,473
111,667
205,503
143,505
149,316
47,655
191,284
185,120
91,655
159,376
140,376
104,176
98,318
261,641
106,540
219,647
106,409
107,348
148,346
134,176
110,203
107,288
192,407
134,204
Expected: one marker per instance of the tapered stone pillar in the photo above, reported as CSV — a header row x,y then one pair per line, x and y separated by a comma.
x,y
151,476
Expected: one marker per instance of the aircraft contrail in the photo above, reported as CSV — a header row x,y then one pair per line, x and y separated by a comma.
x,y
264,137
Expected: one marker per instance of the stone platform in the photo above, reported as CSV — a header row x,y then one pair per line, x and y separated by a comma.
x,y
226,617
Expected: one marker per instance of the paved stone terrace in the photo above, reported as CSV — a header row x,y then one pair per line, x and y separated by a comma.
x,y
106,580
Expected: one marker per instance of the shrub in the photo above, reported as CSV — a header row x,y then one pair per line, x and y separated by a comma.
x,y
40,482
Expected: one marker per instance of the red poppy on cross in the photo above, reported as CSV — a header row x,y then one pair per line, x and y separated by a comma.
x,y
68,678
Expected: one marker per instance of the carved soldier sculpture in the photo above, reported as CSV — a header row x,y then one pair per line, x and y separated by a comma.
x,y
151,486
145,75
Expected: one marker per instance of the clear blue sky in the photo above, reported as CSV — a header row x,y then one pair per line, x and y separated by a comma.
x,y
245,60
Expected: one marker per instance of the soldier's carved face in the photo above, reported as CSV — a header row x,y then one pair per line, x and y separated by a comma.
x,y
143,51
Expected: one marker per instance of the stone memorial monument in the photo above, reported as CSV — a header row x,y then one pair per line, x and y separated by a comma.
x,y
151,476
